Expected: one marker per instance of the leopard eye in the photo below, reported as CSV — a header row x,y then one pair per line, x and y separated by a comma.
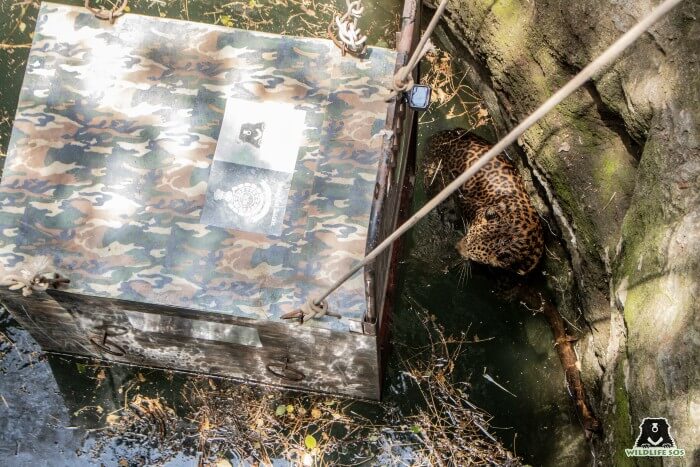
x,y
491,214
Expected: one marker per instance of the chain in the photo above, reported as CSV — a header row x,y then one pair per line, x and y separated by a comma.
x,y
344,32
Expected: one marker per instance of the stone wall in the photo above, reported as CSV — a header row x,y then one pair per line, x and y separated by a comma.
x,y
618,168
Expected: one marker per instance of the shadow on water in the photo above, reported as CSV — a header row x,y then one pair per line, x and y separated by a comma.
x,y
63,411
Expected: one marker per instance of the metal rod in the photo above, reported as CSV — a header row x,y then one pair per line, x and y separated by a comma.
x,y
584,75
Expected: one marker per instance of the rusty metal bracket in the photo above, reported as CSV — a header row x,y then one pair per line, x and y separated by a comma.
x,y
282,370
371,314
369,328
104,344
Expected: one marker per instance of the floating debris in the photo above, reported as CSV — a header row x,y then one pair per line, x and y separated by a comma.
x,y
493,381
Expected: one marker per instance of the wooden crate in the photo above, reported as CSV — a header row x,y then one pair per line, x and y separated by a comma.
x,y
195,183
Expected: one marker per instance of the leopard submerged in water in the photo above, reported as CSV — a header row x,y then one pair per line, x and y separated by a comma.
x,y
504,229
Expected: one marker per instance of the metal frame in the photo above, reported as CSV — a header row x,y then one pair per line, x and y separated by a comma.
x,y
398,155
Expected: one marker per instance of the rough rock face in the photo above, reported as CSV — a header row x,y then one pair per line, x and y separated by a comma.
x,y
618,164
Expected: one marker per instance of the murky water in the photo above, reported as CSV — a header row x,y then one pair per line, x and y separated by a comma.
x,y
61,411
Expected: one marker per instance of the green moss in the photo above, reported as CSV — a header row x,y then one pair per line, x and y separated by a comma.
x,y
508,10
571,204
540,75
613,174
639,296
621,422
510,29
609,167
643,232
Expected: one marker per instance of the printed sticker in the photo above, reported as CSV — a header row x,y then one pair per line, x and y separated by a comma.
x,y
246,198
254,161
261,134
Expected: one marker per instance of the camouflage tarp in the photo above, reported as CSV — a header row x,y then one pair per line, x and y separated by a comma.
x,y
114,172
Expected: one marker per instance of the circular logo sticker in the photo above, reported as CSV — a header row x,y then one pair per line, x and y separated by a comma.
x,y
249,200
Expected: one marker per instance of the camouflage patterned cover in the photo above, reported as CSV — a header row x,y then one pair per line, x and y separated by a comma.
x,y
114,171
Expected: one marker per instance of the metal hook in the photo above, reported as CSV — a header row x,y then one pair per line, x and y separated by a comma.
x,y
290,374
109,347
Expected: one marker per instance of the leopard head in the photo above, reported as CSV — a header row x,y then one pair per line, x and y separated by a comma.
x,y
498,236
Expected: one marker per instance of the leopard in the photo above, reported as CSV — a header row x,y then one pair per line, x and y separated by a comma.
x,y
503,228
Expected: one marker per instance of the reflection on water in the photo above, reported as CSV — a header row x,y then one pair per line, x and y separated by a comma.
x,y
66,410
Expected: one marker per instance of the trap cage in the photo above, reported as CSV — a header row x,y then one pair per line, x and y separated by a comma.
x,y
194,183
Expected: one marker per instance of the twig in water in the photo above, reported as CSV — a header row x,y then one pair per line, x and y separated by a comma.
x,y
4,46
491,380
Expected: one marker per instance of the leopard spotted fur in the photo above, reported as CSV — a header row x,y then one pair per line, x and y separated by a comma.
x,y
504,229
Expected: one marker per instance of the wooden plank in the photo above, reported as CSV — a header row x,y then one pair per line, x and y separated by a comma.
x,y
167,337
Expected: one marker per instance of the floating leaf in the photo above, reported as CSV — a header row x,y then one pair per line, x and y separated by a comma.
x,y
226,20
281,410
415,429
315,413
80,367
290,408
310,442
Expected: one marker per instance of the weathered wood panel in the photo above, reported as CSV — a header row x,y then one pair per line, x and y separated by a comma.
x,y
184,339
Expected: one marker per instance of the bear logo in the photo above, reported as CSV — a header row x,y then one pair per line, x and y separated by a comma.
x,y
655,433
252,133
